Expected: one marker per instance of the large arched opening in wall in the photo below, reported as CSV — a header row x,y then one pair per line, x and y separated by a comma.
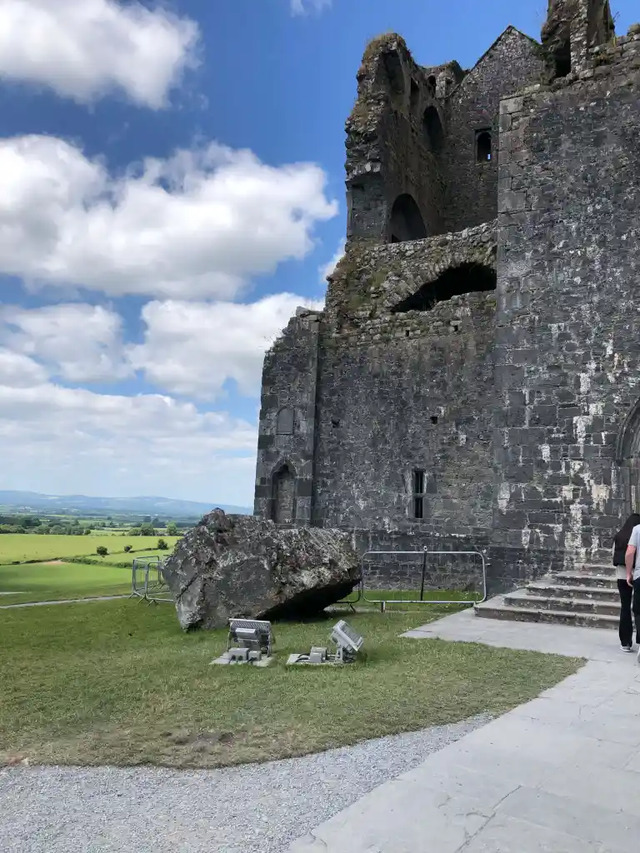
x,y
456,281
406,220
283,495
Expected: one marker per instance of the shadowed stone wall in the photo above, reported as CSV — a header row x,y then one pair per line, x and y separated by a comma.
x,y
413,132
284,477
514,60
391,151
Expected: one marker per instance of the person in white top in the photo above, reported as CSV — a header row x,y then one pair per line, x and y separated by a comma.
x,y
632,565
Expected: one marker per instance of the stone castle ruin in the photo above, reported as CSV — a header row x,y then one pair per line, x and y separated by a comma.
x,y
474,378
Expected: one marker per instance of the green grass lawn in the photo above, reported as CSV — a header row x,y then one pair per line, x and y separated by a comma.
x,y
42,582
370,598
120,683
31,546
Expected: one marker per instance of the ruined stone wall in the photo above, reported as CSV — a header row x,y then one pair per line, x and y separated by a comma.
x,y
572,29
390,151
404,392
472,187
287,420
521,406
568,347
413,132
411,392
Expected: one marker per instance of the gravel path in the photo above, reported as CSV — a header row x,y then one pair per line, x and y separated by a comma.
x,y
250,809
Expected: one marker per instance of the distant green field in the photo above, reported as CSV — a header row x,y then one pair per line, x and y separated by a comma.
x,y
47,582
30,546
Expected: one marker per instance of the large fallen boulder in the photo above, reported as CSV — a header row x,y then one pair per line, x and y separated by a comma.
x,y
245,567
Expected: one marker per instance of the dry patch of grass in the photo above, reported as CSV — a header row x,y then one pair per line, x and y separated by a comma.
x,y
119,683
19,547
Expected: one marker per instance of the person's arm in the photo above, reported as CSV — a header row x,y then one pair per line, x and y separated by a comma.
x,y
631,552
629,561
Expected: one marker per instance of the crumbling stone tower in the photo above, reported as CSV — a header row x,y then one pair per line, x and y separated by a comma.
x,y
473,379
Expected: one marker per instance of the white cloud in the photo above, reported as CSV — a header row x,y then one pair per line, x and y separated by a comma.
x,y
78,342
194,348
189,348
20,371
83,49
196,226
63,440
304,7
327,269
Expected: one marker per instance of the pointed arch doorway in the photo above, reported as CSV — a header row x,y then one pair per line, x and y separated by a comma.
x,y
628,460
283,502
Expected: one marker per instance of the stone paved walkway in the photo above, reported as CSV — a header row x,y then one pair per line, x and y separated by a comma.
x,y
560,774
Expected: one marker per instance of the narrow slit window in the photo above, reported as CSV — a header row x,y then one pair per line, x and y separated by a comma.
x,y
419,482
484,152
415,95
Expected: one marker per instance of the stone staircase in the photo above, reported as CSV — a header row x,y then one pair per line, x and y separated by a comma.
x,y
586,597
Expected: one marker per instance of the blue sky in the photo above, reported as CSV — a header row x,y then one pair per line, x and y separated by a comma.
x,y
171,189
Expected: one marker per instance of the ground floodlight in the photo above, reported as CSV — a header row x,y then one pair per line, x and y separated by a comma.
x,y
348,642
344,635
250,634
249,641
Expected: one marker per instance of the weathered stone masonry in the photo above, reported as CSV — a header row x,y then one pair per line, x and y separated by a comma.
x,y
473,378
568,352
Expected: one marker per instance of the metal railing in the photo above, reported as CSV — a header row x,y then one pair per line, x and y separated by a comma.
x,y
425,553
147,580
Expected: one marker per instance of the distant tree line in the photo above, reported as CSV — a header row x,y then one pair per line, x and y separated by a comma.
x,y
33,524
74,527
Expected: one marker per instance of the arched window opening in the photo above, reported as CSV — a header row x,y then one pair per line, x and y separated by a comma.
x,y
432,130
432,83
285,423
395,75
561,58
283,503
466,278
406,220
484,152
415,95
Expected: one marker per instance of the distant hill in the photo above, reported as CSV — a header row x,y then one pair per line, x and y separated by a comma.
x,y
78,504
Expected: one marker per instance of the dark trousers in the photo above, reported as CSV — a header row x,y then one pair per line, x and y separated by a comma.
x,y
626,625
636,608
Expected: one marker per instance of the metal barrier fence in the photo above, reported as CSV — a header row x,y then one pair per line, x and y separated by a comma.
x,y
425,553
147,580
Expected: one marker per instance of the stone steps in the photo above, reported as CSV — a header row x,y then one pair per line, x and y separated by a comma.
x,y
496,609
572,604
552,590
585,597
582,579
